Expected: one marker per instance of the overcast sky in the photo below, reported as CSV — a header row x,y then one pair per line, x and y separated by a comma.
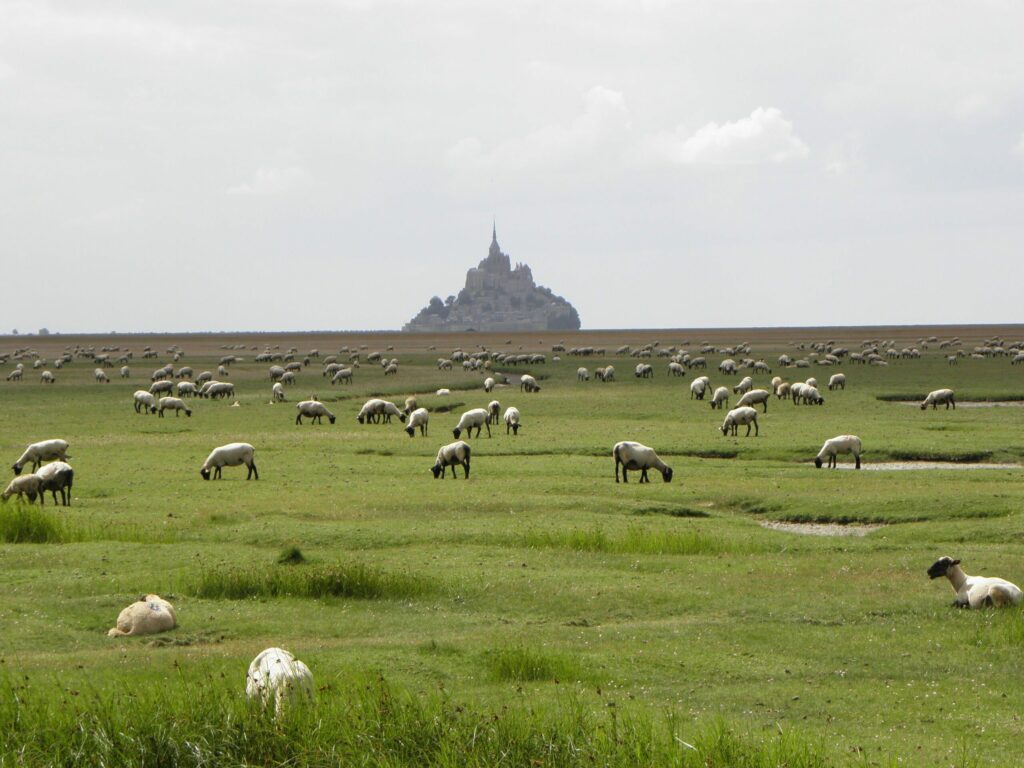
x,y
293,164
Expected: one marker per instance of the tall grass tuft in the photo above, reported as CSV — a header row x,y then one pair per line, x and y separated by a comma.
x,y
291,556
353,581
519,664
640,541
22,523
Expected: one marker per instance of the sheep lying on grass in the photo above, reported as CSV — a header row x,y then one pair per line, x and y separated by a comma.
x,y
275,675
452,455
841,444
975,591
636,456
146,616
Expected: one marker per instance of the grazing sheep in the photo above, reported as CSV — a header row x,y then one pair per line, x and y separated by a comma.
x,y
443,392
676,369
219,389
288,377
314,410
16,374
276,674
418,418
638,456
837,381
230,455
376,411
745,385
37,453
175,403
644,371
159,387
56,476
755,396
782,391
125,372
477,417
493,412
222,371
451,455
605,374
720,398
391,369
26,485
528,384
46,377
342,375
697,388
812,382
736,417
727,367
937,397
841,444
512,421
410,404
582,374
99,374
144,402
975,591
488,384
147,616
203,377
186,389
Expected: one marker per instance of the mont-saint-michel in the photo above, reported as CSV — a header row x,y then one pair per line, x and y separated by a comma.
x,y
497,297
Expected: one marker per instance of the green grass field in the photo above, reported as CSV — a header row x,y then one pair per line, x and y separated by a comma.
x,y
538,614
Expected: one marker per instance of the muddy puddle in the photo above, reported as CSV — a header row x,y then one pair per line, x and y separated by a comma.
x,y
821,529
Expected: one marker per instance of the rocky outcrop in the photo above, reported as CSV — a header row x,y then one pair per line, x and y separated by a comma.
x,y
498,297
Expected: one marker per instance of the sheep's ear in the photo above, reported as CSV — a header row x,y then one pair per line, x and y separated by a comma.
x,y
956,562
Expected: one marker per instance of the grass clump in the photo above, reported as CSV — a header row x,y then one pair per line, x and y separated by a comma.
x,y
26,523
358,582
291,556
637,541
519,664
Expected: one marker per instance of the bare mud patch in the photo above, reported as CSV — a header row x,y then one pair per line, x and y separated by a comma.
x,y
898,466
821,529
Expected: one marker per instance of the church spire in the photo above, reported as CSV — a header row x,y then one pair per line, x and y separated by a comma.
x,y
494,232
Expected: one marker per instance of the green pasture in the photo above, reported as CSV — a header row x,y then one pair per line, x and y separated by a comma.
x,y
538,614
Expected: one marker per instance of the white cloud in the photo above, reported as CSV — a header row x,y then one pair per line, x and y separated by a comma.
x,y
272,181
764,137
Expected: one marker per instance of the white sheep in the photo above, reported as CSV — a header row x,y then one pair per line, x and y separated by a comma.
x,y
782,390
98,373
146,616
15,375
606,374
443,392
37,453
314,410
720,398
25,485
477,417
754,397
727,367
46,377
342,376
636,456
418,418
493,412
745,385
230,455
676,369
175,403
697,388
512,420
160,387
277,392
528,384
186,389
841,444
410,404
738,416
812,382
975,591
938,397
53,477
451,455
277,675
391,369
217,389
837,381
582,374
644,371
375,411
488,384
288,377
144,402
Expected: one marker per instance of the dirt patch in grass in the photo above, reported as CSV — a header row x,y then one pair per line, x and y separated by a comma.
x,y
822,529
897,466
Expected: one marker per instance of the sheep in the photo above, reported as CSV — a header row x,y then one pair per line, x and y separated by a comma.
x,y
638,456
452,455
443,392
375,411
203,377
776,380
56,476
493,412
753,397
15,375
512,421
811,395
98,373
26,485
186,389
488,384
720,398
644,371
745,385
736,417
37,453
410,404
222,371
418,418
175,403
276,372
159,387
840,444
937,397
314,410
477,417
146,616
343,375
727,367
528,384
331,368
288,377
837,381
812,382
276,674
697,388
582,374
975,591
219,389
277,392
230,455
606,374
391,369
144,402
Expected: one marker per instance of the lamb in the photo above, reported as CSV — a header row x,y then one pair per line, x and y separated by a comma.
x,y
99,374
753,397
477,417
275,673
582,374
47,377
175,403
418,418
720,398
145,402
840,444
937,397
488,384
26,485
230,455
837,381
528,384
745,385
736,417
147,616
56,476
37,453
975,591
314,410
493,412
159,387
638,456
451,455
512,421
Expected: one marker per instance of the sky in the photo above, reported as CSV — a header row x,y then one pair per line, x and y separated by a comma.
x,y
332,164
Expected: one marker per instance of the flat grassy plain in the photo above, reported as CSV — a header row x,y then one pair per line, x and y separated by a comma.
x,y
538,614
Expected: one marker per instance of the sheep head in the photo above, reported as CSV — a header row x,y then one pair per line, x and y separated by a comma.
x,y
941,567
666,474
817,462
17,468
205,473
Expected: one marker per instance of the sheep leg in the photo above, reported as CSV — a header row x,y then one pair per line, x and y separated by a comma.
x,y
617,462
856,456
252,472
488,429
298,418
643,476
465,466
